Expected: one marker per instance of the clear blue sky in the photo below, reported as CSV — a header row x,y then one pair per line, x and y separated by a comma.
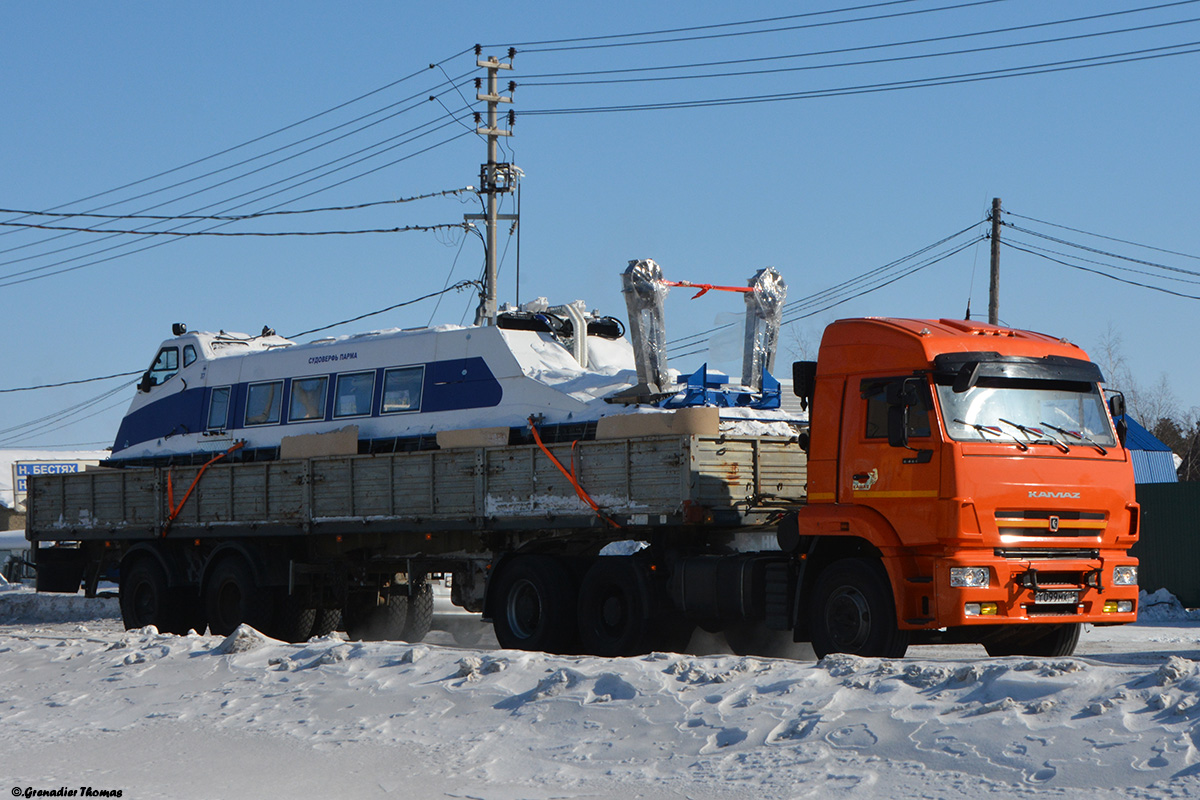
x,y
824,189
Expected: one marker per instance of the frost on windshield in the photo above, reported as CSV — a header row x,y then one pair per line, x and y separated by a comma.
x,y
987,411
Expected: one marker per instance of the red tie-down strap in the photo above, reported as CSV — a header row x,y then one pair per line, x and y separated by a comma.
x,y
175,509
571,476
707,287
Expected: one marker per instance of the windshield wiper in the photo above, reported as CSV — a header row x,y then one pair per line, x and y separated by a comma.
x,y
1081,437
1036,435
992,429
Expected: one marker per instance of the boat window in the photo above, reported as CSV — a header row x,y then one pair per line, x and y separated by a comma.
x,y
166,364
354,394
308,399
402,389
189,355
218,408
263,401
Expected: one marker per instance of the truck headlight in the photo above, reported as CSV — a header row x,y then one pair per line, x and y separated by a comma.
x,y
1124,576
969,576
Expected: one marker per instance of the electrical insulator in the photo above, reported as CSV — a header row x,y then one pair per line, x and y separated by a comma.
x,y
478,50
478,118
512,86
512,51
512,117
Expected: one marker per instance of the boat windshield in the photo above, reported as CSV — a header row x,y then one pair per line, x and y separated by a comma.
x,y
1026,410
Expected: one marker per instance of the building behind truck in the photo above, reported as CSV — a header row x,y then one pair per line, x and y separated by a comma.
x,y
955,482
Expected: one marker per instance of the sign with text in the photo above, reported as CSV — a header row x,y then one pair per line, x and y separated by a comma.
x,y
22,470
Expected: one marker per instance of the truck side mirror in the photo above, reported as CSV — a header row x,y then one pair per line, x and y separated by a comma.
x,y
1116,407
804,381
897,425
146,383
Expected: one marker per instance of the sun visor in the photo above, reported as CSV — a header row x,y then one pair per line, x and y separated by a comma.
x,y
968,368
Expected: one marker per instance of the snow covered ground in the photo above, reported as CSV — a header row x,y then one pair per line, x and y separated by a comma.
x,y
84,703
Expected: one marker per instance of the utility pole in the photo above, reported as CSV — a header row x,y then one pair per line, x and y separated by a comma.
x,y
495,177
994,288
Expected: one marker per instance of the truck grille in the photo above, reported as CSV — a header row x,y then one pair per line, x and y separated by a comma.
x,y
1034,523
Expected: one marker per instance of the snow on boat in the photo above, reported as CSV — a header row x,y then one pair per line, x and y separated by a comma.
x,y
206,393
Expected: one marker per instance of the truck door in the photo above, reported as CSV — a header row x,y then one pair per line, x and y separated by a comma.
x,y
896,475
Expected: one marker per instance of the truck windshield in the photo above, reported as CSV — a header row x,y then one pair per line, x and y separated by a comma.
x,y
987,411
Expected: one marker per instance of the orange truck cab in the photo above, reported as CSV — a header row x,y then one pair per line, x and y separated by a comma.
x,y
980,467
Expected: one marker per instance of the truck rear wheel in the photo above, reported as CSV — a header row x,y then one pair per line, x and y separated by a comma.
x,y
535,601
233,597
853,612
1046,641
614,619
420,613
145,598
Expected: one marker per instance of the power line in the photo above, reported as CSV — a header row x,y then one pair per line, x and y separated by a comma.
x,y
404,229
702,27
860,63
456,287
858,48
70,383
1101,236
919,83
238,217
1097,251
26,276
780,29
794,307
1106,264
275,132
231,180
1099,272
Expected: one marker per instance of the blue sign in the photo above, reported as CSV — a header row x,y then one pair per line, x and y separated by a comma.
x,y
46,468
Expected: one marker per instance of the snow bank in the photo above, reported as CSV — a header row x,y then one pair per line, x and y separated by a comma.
x,y
22,605
1162,606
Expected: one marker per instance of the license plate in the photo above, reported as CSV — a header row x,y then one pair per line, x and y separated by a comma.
x,y
1056,597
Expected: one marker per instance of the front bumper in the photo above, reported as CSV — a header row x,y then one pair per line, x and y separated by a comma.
x,y
1035,590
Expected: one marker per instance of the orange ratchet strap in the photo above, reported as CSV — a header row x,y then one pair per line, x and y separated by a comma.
x,y
707,287
579,490
175,509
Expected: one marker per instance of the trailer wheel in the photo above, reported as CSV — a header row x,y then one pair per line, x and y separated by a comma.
x,y
145,598
535,601
853,612
326,621
292,621
1045,641
382,622
420,613
232,597
614,617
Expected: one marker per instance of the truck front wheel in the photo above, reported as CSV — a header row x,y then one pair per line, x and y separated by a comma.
x,y
534,606
853,612
1045,641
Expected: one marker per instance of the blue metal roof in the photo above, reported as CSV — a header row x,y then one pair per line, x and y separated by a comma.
x,y
1141,439
1153,461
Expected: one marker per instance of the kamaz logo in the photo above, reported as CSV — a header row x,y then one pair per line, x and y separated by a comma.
x,y
1056,495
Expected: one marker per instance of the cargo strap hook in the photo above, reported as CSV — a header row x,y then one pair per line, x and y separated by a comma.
x,y
175,509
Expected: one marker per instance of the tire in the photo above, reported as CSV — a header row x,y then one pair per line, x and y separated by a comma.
x,y
614,613
420,613
852,611
145,598
326,621
383,623
534,605
1045,641
292,622
232,597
